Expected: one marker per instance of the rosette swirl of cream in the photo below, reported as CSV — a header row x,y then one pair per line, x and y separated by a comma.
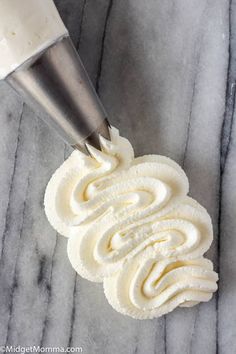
x,y
131,225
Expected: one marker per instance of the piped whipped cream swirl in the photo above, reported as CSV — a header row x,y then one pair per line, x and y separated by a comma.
x,y
132,226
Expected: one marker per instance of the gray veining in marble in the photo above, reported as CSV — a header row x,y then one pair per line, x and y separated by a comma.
x,y
166,72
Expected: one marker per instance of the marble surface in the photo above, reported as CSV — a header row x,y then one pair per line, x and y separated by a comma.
x,y
166,72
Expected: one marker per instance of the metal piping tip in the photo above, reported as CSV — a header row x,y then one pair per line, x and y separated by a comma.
x,y
56,85
94,138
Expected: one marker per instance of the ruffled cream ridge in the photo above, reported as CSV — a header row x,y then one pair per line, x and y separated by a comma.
x,y
132,226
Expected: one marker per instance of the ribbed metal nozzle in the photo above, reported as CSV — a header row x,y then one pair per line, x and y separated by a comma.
x,y
56,85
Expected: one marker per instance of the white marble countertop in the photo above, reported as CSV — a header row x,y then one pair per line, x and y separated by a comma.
x,y
166,72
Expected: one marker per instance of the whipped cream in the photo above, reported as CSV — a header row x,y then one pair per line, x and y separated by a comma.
x,y
132,226
27,27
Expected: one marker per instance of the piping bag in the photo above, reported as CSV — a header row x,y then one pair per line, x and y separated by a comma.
x,y
39,60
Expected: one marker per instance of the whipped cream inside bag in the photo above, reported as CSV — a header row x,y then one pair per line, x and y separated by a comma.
x,y
132,226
